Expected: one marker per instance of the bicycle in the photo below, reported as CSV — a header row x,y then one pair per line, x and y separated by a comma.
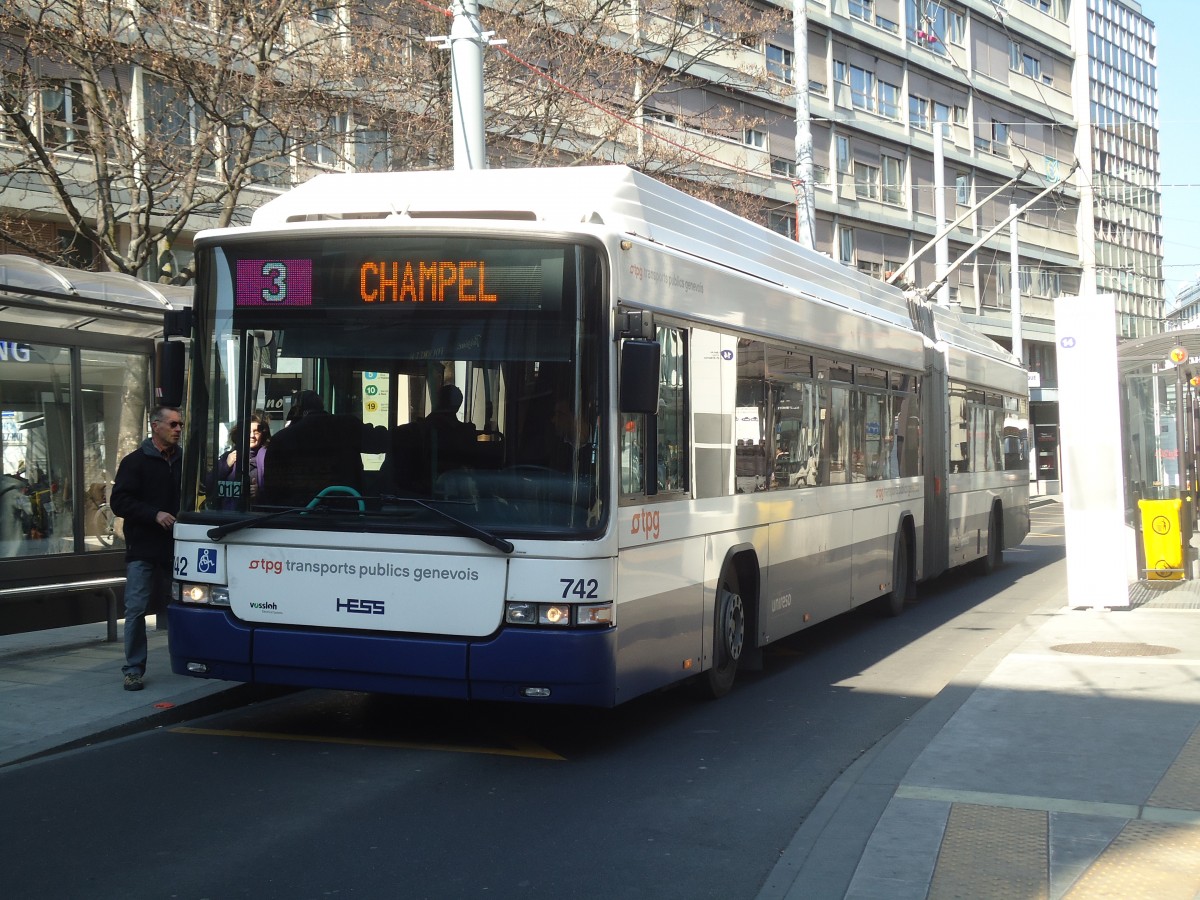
x,y
104,520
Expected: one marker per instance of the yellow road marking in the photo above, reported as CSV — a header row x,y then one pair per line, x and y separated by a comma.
x,y
520,748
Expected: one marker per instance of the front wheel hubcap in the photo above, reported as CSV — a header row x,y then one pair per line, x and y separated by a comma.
x,y
734,625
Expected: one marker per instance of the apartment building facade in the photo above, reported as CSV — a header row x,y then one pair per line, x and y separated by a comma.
x,y
1018,91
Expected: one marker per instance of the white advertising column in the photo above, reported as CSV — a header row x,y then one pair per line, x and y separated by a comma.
x,y
1098,543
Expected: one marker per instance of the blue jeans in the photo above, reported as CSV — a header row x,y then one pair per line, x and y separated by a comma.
x,y
145,582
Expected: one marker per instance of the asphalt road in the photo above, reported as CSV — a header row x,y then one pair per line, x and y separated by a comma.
x,y
319,794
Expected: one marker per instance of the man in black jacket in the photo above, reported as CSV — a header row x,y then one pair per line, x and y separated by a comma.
x,y
146,494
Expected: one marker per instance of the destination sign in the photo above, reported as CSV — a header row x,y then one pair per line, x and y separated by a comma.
x,y
372,274
421,281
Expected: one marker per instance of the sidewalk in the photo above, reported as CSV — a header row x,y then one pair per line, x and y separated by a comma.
x,y
1062,762
62,686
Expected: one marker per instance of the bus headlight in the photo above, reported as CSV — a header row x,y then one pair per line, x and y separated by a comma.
x,y
558,615
206,594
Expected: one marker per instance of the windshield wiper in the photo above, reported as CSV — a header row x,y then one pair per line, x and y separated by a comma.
x,y
486,536
215,534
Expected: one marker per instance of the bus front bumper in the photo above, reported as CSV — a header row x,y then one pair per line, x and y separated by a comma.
x,y
515,664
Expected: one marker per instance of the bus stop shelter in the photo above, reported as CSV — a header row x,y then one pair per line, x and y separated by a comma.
x,y
1160,386
76,354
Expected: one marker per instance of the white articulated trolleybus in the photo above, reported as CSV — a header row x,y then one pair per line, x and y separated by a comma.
x,y
564,436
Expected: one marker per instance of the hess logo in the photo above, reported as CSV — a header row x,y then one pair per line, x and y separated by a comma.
x,y
366,607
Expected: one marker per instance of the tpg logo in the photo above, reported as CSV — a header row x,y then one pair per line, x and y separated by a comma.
x,y
646,523
366,607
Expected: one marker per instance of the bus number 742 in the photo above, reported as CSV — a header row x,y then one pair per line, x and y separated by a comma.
x,y
584,588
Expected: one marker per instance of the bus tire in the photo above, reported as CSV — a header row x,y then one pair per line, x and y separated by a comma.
x,y
994,558
893,601
729,637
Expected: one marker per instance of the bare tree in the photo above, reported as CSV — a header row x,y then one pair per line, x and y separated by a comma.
x,y
134,119
136,122
648,83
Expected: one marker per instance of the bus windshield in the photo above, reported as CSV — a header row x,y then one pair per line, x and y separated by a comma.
x,y
347,377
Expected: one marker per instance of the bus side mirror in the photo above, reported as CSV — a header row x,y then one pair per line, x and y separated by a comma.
x,y
639,374
169,361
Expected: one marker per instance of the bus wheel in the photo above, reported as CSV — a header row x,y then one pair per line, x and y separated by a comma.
x,y
729,637
893,601
988,564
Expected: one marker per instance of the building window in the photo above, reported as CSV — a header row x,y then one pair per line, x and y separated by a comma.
x,y
64,117
846,244
754,137
842,149
323,146
866,181
962,189
893,181
927,24
688,15
779,63
862,89
783,223
1025,63
956,28
918,112
870,268
889,100
941,114
863,10
784,168
371,150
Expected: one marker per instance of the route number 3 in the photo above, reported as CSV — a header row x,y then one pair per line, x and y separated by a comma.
x,y
277,272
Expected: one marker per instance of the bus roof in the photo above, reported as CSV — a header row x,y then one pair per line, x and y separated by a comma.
x,y
614,197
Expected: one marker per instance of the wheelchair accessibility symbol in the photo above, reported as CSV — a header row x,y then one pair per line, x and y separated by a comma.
x,y
206,561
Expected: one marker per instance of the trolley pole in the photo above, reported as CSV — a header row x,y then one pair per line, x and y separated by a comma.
x,y
465,43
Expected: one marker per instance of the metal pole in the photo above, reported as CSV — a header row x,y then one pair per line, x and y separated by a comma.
x,y
466,77
806,228
1014,291
941,250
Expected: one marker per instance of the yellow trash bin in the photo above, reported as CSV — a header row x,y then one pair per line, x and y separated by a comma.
x,y
1162,539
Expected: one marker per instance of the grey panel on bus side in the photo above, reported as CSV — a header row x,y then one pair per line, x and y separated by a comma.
x,y
713,463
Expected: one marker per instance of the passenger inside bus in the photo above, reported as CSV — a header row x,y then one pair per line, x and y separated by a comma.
x,y
316,450
422,450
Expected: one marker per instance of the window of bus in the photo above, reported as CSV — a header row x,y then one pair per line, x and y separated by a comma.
x,y
796,420
959,431
835,378
750,423
868,413
906,424
665,432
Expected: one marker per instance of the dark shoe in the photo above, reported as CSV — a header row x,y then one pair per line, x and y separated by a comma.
x,y
133,682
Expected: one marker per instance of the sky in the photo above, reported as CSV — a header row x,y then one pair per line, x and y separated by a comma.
x,y
1179,139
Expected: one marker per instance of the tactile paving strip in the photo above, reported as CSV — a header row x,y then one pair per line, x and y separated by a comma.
x,y
993,853
1146,861
1180,786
